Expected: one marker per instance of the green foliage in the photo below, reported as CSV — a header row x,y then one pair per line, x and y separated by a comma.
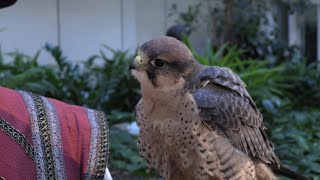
x,y
120,89
262,81
298,6
124,152
98,82
189,18
296,134
24,72
250,25
304,80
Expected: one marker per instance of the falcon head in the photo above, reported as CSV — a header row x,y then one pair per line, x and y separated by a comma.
x,y
163,64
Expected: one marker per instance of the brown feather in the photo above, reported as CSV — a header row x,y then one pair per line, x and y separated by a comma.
x,y
198,122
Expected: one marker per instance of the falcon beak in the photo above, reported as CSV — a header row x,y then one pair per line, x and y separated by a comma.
x,y
136,64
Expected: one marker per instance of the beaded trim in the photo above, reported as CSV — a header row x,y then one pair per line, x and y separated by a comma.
x,y
99,147
38,152
56,140
94,141
45,136
17,136
47,140
104,146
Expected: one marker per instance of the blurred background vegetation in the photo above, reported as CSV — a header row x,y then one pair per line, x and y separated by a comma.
x,y
284,84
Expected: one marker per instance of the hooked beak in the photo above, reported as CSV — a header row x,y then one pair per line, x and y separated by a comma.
x,y
136,64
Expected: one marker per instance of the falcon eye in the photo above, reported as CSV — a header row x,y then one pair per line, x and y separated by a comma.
x,y
158,63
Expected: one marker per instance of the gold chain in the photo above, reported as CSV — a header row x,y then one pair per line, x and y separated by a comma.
x,y
45,137
17,136
103,147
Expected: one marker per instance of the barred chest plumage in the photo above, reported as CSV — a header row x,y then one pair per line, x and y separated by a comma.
x,y
180,146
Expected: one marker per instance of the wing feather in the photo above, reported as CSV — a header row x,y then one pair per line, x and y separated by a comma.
x,y
224,102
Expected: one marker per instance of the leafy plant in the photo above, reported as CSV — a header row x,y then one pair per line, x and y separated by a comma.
x,y
304,85
250,25
263,82
124,152
119,90
24,72
297,136
189,19
99,82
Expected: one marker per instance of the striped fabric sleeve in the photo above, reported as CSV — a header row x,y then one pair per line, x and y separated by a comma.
x,y
53,152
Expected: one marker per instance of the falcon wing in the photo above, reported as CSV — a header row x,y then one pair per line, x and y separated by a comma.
x,y
226,106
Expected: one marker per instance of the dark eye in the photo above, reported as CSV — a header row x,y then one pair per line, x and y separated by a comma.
x,y
158,63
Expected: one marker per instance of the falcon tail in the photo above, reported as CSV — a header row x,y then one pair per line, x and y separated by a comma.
x,y
284,171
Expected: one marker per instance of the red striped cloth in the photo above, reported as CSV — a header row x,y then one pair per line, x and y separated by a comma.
x,y
43,138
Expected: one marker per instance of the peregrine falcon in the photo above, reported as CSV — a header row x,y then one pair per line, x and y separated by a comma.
x,y
198,122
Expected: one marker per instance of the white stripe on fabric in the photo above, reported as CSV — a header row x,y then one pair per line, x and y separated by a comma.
x,y
37,146
94,142
56,140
